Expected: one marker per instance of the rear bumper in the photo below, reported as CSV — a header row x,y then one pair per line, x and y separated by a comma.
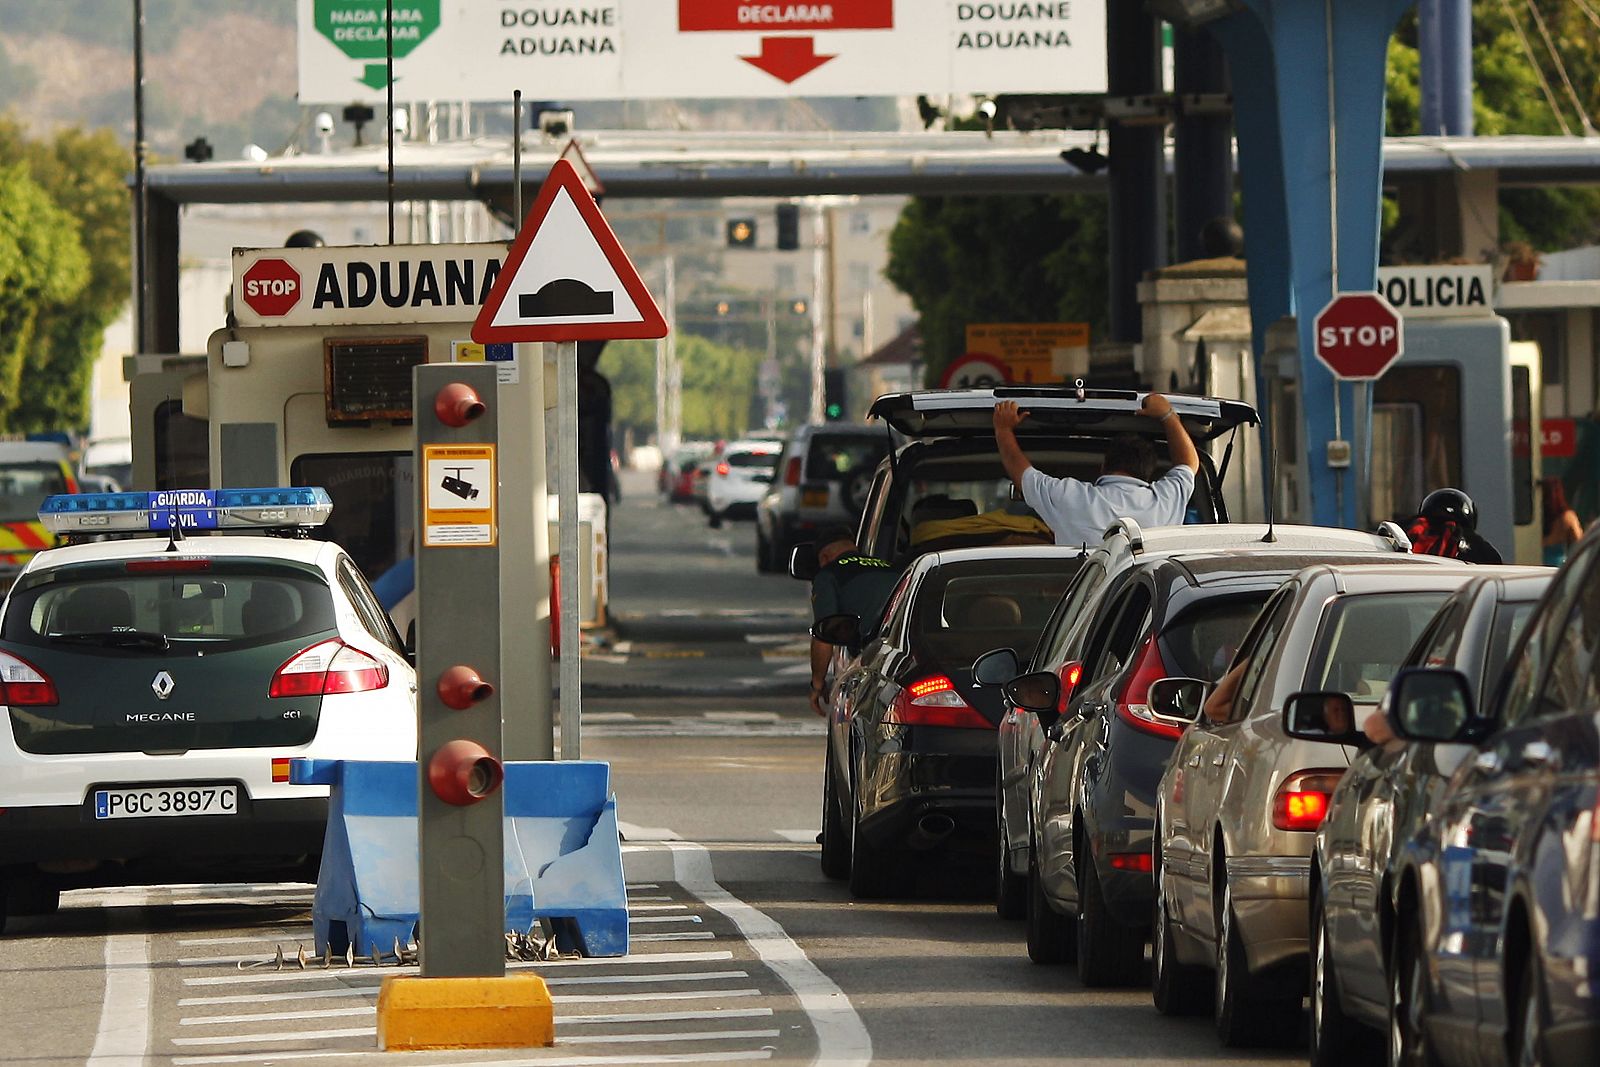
x,y
77,850
911,786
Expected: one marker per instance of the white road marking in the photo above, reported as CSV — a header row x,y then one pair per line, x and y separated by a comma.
x,y
620,998
608,716
303,934
740,716
639,1039
286,1035
123,1036
842,1038
566,1061
642,885
277,1016
622,648
638,920
643,833
632,897
274,998
790,727
624,979
668,1016
259,1057
633,907
799,837
691,935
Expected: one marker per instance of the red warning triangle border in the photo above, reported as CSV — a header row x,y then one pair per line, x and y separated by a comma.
x,y
563,175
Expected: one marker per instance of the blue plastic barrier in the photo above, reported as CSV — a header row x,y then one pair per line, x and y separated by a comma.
x,y
563,858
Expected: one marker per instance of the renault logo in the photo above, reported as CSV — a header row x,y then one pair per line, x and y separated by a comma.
x,y
163,685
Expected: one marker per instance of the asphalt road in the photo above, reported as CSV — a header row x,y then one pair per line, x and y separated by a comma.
x,y
742,950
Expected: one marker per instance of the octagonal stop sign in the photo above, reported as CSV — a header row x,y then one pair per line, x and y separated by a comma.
x,y
271,287
1358,335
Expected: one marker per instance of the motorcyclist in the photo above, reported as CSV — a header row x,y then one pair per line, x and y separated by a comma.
x,y
1447,525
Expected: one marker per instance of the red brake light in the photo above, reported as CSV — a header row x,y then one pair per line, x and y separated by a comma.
x,y
329,666
1301,802
22,685
934,701
166,566
1131,706
791,471
723,468
1142,862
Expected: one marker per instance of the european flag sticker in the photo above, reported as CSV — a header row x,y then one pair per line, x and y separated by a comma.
x,y
102,804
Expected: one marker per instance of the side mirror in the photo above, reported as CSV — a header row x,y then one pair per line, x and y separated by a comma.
x,y
1329,717
1177,698
995,667
838,630
1427,704
803,564
1039,692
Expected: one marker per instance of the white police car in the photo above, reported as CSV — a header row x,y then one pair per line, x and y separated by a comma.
x,y
155,688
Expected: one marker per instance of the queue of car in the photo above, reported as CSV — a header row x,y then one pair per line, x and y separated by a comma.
x,y
1181,791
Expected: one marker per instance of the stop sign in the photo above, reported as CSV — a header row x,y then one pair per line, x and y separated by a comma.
x,y
1358,335
271,287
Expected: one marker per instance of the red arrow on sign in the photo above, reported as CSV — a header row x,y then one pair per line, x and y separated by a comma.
x,y
788,58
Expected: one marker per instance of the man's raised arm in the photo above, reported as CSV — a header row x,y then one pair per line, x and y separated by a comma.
x,y
1006,420
1179,445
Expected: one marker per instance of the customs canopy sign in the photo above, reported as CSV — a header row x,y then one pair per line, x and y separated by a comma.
x,y
654,49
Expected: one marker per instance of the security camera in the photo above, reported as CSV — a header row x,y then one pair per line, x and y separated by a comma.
x,y
323,124
254,153
988,110
556,123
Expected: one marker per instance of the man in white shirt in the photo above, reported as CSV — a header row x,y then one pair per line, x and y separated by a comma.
x,y
1080,512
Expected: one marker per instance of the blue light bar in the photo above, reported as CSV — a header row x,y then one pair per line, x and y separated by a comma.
x,y
188,509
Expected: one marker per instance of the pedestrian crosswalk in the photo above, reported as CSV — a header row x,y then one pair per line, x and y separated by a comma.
x,y
692,990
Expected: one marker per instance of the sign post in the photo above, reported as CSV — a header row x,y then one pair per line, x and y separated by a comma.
x,y
567,279
1358,338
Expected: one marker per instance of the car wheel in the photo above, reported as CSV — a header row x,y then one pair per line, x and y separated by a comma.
x,y
763,553
1245,1018
835,852
1176,988
1332,1032
1010,889
874,873
1408,1001
30,895
1527,1017
1109,952
714,518
1052,937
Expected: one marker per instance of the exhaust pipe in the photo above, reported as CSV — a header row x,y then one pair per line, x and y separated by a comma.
x,y
931,830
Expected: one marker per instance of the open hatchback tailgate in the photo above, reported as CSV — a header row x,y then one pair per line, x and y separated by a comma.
x,y
1052,411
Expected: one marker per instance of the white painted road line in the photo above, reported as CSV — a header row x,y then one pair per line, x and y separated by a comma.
x,y
626,1061
275,998
842,1038
626,979
630,832
276,937
277,1016
639,1039
366,974
799,837
625,998
691,935
123,1036
291,1035
268,1057
632,907
646,919
665,1016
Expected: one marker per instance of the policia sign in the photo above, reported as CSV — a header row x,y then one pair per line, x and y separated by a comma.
x,y
362,284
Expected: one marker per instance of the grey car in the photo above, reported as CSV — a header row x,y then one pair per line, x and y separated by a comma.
x,y
1240,802
821,478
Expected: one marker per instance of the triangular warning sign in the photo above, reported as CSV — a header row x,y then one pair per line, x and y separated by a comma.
x,y
566,278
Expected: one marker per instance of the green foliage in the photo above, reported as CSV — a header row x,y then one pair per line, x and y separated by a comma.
x,y
999,259
719,384
43,269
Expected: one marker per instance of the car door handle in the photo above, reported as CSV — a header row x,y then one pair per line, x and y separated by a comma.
x,y
1194,760
1487,762
1219,759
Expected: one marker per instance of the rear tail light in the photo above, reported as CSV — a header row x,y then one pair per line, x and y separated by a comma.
x,y
1131,705
22,685
1143,862
280,768
791,471
1070,674
934,702
166,566
723,468
329,666
1301,802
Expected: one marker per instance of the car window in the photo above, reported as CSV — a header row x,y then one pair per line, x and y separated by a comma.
x,y
1203,640
1114,642
1510,619
833,457
761,460
1256,652
228,605
1437,645
892,623
1570,684
1363,640
373,618
1069,618
25,484
963,609
1542,638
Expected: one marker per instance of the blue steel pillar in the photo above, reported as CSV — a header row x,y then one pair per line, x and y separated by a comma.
x,y
1310,134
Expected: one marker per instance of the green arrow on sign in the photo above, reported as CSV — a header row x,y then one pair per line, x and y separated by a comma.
x,y
357,28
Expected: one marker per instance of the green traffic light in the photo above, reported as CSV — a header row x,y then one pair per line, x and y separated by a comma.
x,y
835,410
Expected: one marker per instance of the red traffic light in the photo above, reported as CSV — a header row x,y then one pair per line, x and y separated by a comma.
x,y
458,404
463,772
460,687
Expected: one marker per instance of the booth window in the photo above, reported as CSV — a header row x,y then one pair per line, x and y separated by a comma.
x,y
1416,437
374,504
182,446
1521,448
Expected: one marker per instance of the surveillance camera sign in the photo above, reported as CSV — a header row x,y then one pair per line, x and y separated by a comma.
x,y
458,497
665,49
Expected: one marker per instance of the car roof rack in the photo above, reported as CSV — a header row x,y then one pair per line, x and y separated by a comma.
x,y
1392,533
1132,530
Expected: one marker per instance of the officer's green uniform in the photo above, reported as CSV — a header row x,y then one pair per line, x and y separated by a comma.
x,y
855,585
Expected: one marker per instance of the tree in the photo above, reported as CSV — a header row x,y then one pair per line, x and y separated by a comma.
x,y
85,175
43,269
718,385
998,259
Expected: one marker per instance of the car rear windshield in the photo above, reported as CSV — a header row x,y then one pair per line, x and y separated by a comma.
x,y
1202,642
1364,638
967,608
834,457
231,605
24,485
764,460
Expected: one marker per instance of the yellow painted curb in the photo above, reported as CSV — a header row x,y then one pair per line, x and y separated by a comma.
x,y
440,1013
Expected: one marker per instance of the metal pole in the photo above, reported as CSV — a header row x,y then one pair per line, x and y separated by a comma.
x,y
141,230
388,107
516,158
1333,246
819,288
674,433
529,729
567,486
663,373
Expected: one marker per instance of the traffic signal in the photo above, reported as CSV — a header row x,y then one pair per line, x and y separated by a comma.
x,y
833,394
798,306
741,233
788,227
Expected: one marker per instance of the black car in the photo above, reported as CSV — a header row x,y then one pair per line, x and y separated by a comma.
x,y
1090,885
911,740
1496,938
1389,791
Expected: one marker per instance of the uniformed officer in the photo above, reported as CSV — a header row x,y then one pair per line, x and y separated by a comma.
x,y
847,582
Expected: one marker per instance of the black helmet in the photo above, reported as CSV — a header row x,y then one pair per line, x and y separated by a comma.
x,y
1450,505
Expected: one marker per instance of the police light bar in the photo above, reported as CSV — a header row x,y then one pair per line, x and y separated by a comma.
x,y
187,509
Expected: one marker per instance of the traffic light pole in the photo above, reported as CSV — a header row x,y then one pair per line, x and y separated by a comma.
x,y
819,289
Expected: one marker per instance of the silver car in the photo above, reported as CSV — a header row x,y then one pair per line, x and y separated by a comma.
x,y
1240,802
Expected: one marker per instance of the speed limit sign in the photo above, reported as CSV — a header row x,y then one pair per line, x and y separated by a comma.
x,y
975,370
